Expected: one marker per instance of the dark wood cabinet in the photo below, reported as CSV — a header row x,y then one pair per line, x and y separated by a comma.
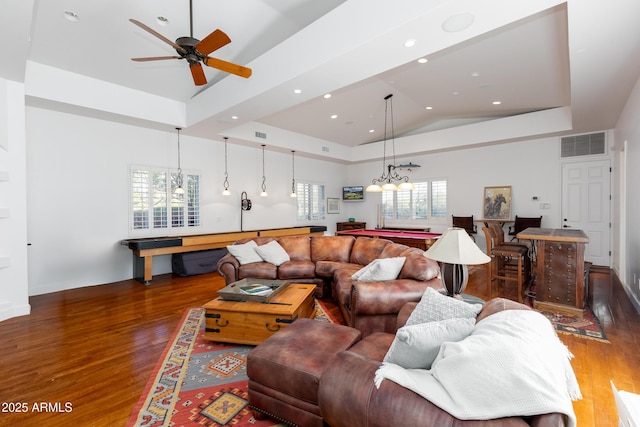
x,y
560,268
342,226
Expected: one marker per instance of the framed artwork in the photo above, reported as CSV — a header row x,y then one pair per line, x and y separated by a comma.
x,y
497,203
333,205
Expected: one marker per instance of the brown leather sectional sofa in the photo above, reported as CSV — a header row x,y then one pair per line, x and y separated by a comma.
x,y
330,261
296,376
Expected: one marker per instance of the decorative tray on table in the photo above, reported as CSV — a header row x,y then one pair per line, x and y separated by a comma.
x,y
261,290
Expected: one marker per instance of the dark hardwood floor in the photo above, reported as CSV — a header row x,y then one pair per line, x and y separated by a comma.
x,y
87,353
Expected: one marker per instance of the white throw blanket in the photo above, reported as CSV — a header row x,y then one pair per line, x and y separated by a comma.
x,y
512,364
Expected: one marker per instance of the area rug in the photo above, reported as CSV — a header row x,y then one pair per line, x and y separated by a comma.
x,y
586,327
198,382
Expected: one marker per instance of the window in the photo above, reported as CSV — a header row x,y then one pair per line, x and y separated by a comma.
x,y
426,202
310,198
156,206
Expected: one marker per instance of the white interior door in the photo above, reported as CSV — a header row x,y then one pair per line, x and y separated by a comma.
x,y
586,205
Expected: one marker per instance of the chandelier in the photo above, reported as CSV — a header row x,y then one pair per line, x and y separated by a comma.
x,y
390,179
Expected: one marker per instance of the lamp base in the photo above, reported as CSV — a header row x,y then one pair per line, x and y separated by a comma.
x,y
454,278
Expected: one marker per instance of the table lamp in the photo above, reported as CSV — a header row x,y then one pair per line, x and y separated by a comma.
x,y
455,250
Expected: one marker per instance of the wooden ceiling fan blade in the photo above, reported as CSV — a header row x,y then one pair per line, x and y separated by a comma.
x,y
158,35
155,58
198,74
213,41
228,67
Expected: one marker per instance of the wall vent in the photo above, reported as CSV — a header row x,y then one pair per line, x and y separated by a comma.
x,y
325,149
261,135
582,145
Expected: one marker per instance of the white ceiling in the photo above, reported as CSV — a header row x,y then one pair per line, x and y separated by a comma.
x,y
576,60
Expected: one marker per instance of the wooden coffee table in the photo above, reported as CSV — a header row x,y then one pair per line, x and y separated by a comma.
x,y
251,322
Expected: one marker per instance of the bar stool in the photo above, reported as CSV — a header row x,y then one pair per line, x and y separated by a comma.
x,y
509,262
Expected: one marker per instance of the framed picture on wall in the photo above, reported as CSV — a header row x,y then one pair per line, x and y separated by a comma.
x,y
333,205
497,202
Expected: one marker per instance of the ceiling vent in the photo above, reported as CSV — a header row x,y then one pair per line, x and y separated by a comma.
x,y
582,145
261,135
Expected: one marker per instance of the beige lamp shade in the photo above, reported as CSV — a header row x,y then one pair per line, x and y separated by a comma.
x,y
456,247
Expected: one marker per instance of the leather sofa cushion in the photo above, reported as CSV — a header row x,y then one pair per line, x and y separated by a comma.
x,y
367,249
417,266
374,346
296,269
328,268
331,248
499,304
258,270
298,247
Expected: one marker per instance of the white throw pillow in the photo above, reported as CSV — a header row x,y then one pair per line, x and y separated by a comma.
x,y
274,253
416,346
245,253
434,306
380,269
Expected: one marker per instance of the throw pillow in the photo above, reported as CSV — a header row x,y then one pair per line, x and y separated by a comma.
x,y
245,253
434,306
380,269
416,346
273,253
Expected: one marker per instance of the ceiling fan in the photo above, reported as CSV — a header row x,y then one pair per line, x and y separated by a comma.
x,y
196,52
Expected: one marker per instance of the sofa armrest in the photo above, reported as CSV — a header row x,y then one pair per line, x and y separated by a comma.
x,y
404,314
228,267
387,297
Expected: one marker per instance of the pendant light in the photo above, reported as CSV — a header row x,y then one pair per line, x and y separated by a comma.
x,y
264,186
387,181
226,191
179,178
293,173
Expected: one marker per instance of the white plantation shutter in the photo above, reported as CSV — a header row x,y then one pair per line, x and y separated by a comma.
x,y
310,199
153,197
428,200
439,199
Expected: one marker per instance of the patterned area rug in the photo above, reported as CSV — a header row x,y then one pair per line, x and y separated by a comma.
x,y
200,383
587,327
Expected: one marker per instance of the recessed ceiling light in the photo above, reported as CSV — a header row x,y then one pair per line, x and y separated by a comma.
x,y
334,116
410,43
372,130
161,20
428,108
327,95
475,74
234,117
71,16
458,22
455,92
423,60
497,102
297,91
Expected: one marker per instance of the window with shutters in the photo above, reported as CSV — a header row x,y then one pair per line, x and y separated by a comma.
x,y
156,208
311,201
426,203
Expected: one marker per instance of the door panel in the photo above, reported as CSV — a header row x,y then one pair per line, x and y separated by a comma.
x,y
586,205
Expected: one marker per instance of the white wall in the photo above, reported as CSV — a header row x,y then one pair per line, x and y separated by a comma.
x,y
531,168
78,193
14,299
627,133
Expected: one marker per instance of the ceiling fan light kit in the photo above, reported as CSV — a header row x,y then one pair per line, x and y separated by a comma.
x,y
196,52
